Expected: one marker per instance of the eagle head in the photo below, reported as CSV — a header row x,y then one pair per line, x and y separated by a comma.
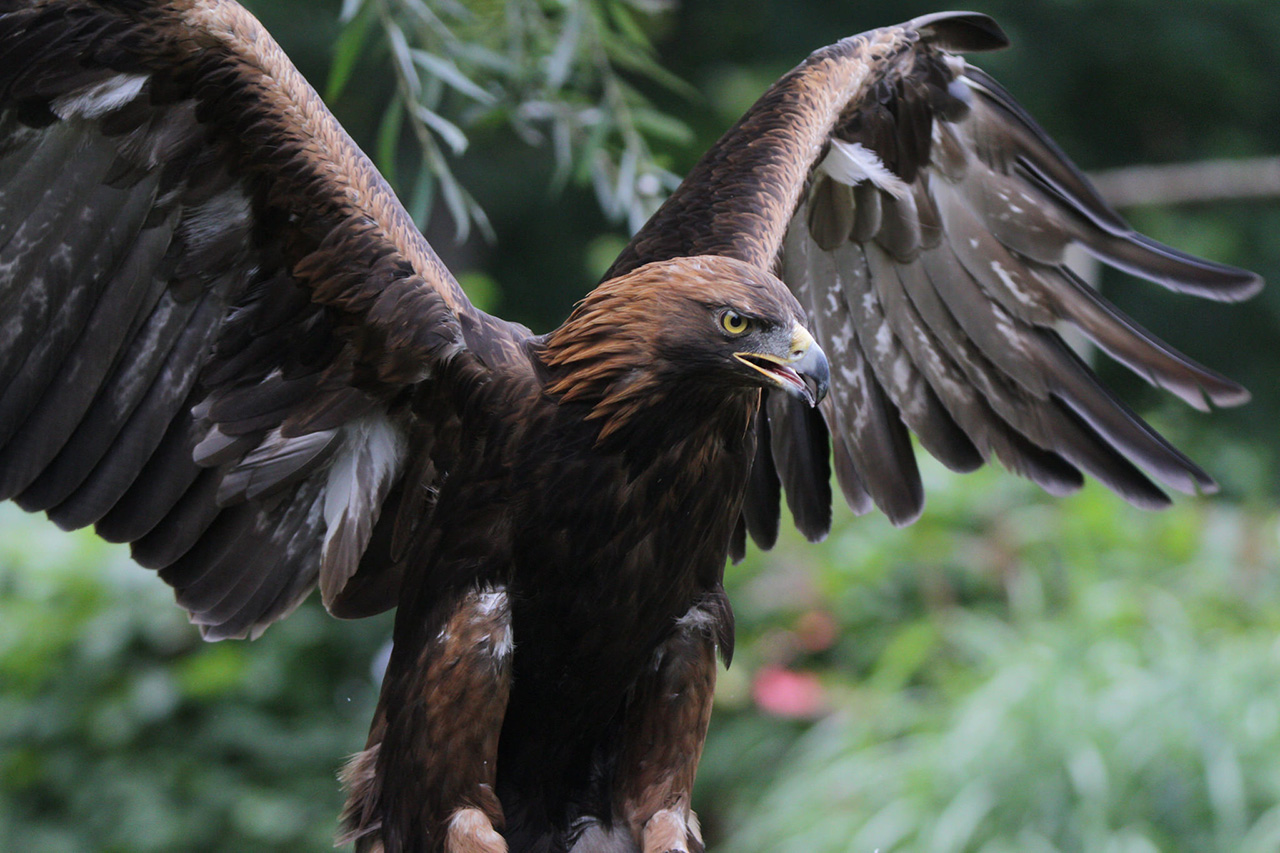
x,y
692,324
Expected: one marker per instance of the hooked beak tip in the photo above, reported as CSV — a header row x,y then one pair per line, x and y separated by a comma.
x,y
816,373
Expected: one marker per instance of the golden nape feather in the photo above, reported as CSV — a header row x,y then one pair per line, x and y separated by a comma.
x,y
225,343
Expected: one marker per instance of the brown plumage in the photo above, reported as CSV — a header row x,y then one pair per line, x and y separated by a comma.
x,y
224,342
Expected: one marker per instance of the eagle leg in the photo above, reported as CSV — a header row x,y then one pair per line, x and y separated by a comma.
x,y
429,768
665,726
471,831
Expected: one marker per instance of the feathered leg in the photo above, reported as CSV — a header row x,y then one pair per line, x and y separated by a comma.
x,y
428,770
666,724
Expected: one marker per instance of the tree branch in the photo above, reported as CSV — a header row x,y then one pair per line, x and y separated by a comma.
x,y
1190,183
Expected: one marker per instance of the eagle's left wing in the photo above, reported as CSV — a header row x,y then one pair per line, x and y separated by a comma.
x,y
921,217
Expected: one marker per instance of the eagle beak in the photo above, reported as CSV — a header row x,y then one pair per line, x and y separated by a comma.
x,y
811,366
803,373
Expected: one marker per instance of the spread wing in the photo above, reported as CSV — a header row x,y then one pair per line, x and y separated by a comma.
x,y
215,312
922,218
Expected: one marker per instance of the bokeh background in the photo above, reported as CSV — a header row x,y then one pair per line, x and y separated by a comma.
x,y
1011,673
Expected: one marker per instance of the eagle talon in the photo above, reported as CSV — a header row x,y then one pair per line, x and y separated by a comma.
x,y
471,831
667,831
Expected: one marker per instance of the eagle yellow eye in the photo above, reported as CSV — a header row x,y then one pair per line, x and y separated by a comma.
x,y
734,323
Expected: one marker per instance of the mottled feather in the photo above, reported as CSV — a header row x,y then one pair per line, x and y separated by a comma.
x,y
922,218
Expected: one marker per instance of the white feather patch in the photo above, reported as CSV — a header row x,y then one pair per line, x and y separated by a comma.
x,y
851,163
208,222
359,478
696,619
101,98
489,601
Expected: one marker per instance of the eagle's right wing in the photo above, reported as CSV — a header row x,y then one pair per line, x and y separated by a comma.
x,y
214,310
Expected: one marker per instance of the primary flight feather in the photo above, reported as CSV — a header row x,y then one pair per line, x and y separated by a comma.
x,y
224,342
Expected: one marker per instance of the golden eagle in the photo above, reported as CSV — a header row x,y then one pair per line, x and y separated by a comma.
x,y
224,341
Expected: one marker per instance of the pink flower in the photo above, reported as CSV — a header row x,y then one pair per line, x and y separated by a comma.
x,y
785,693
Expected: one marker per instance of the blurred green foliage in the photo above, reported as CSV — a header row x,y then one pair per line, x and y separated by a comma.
x,y
120,730
559,74
1011,673
1018,673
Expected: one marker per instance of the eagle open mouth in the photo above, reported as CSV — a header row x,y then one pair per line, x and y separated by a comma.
x,y
782,375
